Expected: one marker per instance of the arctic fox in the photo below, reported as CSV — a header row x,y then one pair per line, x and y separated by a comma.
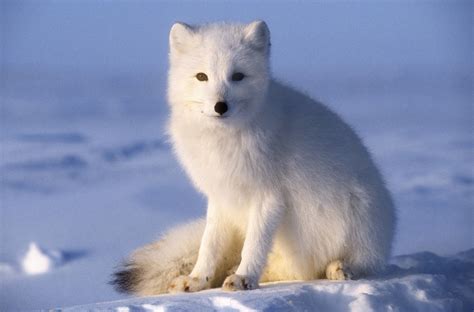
x,y
292,192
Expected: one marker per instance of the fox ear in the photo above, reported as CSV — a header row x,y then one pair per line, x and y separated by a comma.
x,y
257,35
181,35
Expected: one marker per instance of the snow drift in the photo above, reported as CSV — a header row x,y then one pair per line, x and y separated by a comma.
x,y
418,282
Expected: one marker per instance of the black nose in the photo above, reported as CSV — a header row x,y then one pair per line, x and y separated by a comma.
x,y
220,108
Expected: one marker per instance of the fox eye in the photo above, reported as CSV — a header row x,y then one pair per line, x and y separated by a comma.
x,y
201,77
237,76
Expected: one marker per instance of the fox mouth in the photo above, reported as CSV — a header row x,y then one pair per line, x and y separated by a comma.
x,y
216,116
224,116
230,114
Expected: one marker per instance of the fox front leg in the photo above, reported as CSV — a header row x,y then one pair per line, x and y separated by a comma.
x,y
213,242
262,224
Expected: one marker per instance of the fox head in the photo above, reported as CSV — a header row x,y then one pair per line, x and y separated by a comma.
x,y
219,73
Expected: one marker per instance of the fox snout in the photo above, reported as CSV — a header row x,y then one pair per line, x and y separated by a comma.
x,y
221,108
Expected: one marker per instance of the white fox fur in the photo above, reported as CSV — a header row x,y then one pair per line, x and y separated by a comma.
x,y
292,192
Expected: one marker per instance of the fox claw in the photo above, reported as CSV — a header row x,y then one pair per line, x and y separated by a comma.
x,y
186,283
238,282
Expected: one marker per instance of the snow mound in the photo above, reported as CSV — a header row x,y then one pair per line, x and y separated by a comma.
x,y
417,282
38,260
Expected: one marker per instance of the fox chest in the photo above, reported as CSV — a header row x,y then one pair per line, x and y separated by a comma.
x,y
226,168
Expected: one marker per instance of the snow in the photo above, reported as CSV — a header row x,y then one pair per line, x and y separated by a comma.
x,y
87,174
38,260
6,268
426,283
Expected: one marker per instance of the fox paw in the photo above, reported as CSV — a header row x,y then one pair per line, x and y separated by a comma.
x,y
239,282
337,271
185,283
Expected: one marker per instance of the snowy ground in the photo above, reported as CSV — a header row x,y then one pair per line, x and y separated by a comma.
x,y
418,282
86,175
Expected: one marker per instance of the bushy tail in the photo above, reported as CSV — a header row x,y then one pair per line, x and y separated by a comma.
x,y
151,268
